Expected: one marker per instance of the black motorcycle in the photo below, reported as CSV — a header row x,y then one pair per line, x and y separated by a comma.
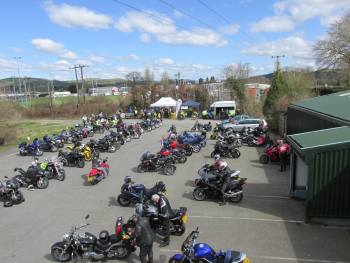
x,y
225,150
53,169
104,145
33,177
151,163
208,186
72,159
178,218
117,137
48,144
9,192
132,193
76,246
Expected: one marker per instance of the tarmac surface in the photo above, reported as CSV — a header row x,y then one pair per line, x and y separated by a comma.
x,y
267,225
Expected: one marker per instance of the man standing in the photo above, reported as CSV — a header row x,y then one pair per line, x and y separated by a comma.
x,y
144,239
164,211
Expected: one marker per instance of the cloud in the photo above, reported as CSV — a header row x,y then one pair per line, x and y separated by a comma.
x,y
293,46
145,38
273,24
49,46
165,61
10,65
76,16
97,59
131,57
230,29
178,14
164,30
289,13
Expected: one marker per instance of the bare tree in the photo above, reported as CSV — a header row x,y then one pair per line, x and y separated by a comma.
x,y
334,50
134,77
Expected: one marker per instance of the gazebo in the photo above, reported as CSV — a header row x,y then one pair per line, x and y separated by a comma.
x,y
191,104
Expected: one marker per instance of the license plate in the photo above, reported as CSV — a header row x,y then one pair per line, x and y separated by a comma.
x,y
246,260
184,219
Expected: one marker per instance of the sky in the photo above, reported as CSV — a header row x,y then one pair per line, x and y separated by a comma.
x,y
197,38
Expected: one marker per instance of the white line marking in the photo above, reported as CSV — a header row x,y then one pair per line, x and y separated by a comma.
x,y
249,219
273,258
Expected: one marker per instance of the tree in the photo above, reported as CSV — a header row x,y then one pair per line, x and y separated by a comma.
x,y
207,80
236,75
72,88
334,50
165,80
200,81
201,95
134,77
212,79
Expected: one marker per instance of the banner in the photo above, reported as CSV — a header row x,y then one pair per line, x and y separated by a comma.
x,y
178,106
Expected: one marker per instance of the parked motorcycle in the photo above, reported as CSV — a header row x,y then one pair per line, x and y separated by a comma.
x,y
98,172
76,246
178,218
132,193
47,144
104,145
271,153
202,252
32,177
53,169
178,155
72,159
9,192
32,149
151,162
225,150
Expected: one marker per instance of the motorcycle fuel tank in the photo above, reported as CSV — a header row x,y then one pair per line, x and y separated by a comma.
x,y
202,250
87,238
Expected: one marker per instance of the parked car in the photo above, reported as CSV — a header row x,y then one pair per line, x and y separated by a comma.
x,y
248,123
240,117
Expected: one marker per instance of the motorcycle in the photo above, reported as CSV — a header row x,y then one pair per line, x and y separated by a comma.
x,y
53,169
9,192
174,144
132,193
206,187
104,145
150,163
72,159
99,171
75,245
271,153
177,155
47,144
32,177
117,137
178,218
225,150
202,252
32,149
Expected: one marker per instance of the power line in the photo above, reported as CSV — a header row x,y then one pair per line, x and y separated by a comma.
x,y
187,14
215,12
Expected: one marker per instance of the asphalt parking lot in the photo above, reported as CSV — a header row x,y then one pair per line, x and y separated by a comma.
x,y
266,225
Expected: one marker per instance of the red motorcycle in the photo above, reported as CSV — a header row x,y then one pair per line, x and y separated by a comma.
x,y
98,171
185,148
271,154
176,154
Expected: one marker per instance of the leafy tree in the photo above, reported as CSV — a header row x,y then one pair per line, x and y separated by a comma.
x,y
200,81
72,88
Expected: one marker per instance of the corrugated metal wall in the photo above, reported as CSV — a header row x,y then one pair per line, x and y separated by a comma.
x,y
299,121
329,184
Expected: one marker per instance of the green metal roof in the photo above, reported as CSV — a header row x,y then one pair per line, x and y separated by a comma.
x,y
336,105
320,139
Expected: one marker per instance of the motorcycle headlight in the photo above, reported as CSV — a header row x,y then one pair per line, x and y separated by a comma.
x,y
65,237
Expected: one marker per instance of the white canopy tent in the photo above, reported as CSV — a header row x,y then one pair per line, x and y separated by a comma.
x,y
164,102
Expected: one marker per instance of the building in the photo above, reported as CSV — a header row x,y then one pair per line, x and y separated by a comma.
x,y
61,94
256,90
107,91
217,91
319,132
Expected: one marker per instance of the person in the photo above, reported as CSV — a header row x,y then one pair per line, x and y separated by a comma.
x,y
283,155
164,212
222,114
85,119
144,237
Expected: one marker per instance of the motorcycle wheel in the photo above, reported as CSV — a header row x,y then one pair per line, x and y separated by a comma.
x,y
251,143
118,252
122,201
264,159
237,198
54,148
112,149
42,183
17,198
169,169
140,168
61,175
188,152
212,154
199,194
121,142
235,153
182,159
196,148
180,230
117,146
39,153
81,163
57,252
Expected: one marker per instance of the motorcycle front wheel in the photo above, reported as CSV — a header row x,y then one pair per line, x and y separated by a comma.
x,y
196,148
199,194
169,169
42,183
264,159
237,198
112,149
61,175
122,201
182,159
140,168
235,153
17,197
58,253
118,252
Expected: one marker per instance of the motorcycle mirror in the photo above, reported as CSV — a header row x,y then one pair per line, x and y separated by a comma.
x,y
5,177
87,217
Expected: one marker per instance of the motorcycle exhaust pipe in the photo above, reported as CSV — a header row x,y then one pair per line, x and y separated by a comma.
x,y
235,194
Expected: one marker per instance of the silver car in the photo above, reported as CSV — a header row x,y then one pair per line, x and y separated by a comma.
x,y
248,123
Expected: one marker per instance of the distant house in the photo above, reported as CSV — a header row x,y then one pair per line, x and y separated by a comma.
x,y
217,91
108,91
61,94
256,89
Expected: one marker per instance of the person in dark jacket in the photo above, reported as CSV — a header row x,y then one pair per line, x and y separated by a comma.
x,y
165,212
144,238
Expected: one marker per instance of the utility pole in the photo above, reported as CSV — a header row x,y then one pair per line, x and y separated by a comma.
x,y
76,83
19,74
82,79
49,94
277,63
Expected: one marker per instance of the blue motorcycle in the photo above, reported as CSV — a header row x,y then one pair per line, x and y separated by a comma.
x,y
197,141
132,193
32,149
201,252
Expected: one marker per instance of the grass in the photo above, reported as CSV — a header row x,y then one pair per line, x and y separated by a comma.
x,y
15,132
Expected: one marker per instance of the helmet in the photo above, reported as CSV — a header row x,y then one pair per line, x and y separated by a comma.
x,y
104,236
160,186
216,157
222,166
34,163
172,136
127,179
